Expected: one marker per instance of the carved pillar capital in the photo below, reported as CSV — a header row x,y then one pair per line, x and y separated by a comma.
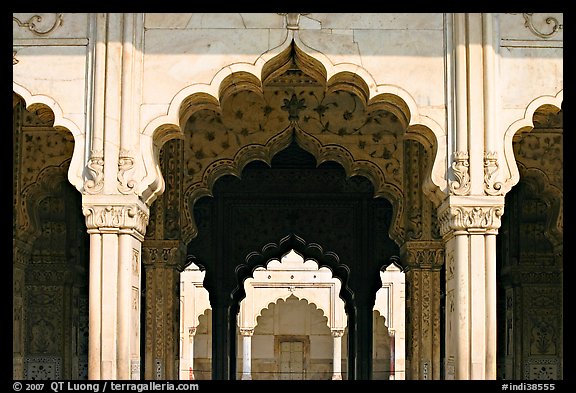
x,y
247,332
470,214
423,254
127,215
164,253
337,332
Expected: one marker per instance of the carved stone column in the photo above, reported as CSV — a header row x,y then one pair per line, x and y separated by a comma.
x,y
116,226
191,334
469,225
424,261
337,354
247,352
163,261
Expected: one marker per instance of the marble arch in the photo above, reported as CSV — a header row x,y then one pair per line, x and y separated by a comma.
x,y
366,110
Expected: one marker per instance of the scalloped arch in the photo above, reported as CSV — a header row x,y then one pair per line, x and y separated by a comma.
x,y
348,76
306,250
285,297
32,102
321,153
524,123
202,314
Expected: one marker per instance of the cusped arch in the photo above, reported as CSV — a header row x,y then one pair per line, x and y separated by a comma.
x,y
272,283
34,102
525,124
285,297
307,251
242,77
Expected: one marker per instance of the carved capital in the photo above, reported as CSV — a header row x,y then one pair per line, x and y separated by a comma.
x,y
191,332
423,254
129,218
473,214
292,19
164,253
337,332
247,332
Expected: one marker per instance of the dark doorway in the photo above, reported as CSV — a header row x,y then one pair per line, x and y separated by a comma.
x,y
292,204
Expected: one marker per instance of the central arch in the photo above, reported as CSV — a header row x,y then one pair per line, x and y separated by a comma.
x,y
207,139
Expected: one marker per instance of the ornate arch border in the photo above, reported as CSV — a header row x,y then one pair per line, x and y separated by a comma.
x,y
61,123
524,123
198,96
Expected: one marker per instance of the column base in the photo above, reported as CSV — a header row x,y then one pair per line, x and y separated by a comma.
x,y
337,377
246,377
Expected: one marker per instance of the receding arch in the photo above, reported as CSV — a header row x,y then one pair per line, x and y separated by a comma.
x,y
307,281
275,251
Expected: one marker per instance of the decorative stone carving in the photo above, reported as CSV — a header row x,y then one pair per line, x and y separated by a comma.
x,y
423,254
491,186
95,168
555,25
132,217
467,217
35,24
247,331
292,20
125,164
460,186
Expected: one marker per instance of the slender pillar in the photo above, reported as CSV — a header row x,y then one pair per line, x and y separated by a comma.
x,y
191,334
247,352
392,354
337,354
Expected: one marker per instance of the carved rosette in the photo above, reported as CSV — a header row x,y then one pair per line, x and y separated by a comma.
x,y
128,218
477,215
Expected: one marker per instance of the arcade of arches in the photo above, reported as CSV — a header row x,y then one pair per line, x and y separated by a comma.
x,y
297,235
